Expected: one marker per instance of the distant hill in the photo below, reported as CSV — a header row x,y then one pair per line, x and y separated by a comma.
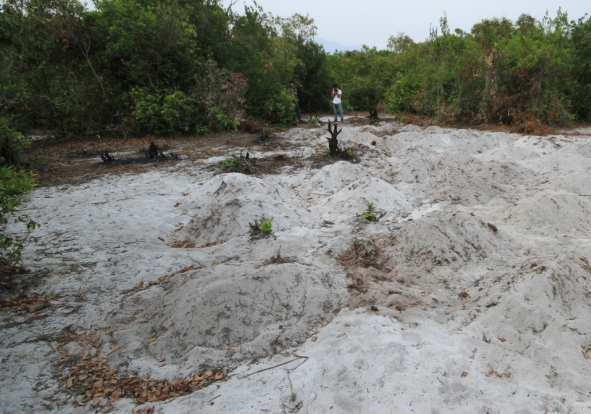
x,y
330,46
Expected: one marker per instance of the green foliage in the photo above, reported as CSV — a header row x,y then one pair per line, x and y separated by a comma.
x,y
314,121
369,213
363,76
401,95
174,66
12,146
238,164
229,163
520,73
222,121
220,97
312,76
267,225
350,154
581,51
14,185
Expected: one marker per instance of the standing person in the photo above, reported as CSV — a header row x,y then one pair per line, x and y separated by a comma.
x,y
336,101
296,107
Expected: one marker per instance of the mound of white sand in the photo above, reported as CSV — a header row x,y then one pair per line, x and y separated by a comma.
x,y
352,200
576,183
549,213
245,312
333,178
349,136
542,312
442,239
226,206
459,177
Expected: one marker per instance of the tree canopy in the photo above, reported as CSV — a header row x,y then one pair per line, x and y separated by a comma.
x,y
175,66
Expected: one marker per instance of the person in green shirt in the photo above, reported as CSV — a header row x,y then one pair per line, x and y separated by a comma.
x,y
296,108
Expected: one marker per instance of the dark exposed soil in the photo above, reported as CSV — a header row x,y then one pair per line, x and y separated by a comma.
x,y
74,161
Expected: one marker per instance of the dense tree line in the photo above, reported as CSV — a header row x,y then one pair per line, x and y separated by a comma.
x,y
515,73
161,66
175,66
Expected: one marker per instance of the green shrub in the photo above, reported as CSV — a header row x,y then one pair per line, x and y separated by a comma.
x,y
147,110
222,120
280,108
314,121
12,146
238,164
369,214
400,96
14,185
176,112
267,225
229,163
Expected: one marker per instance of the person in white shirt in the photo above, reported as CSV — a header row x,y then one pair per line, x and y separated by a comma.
x,y
336,101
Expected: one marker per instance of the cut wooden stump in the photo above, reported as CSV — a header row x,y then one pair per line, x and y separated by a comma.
x,y
107,158
333,142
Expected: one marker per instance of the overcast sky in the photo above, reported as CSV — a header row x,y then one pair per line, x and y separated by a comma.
x,y
371,22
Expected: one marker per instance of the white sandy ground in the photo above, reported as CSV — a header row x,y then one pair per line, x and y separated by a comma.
x,y
471,294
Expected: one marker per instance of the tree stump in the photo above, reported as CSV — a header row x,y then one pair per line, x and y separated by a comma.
x,y
333,142
107,158
154,152
372,108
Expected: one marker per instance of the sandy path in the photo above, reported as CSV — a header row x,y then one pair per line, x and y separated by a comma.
x,y
470,295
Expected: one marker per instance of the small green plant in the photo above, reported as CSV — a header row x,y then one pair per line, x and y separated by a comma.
x,y
14,185
314,121
349,153
13,148
267,225
219,120
239,164
369,214
229,163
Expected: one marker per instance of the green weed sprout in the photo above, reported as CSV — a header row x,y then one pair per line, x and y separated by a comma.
x,y
229,163
267,225
350,154
368,214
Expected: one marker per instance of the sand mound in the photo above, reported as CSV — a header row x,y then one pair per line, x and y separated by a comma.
x,y
349,136
548,213
440,140
225,206
411,128
443,238
403,139
576,183
544,317
252,312
459,177
351,200
559,162
333,178
420,257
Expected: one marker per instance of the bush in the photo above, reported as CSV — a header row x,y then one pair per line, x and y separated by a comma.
x,y
369,214
12,146
14,185
267,225
220,95
280,108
